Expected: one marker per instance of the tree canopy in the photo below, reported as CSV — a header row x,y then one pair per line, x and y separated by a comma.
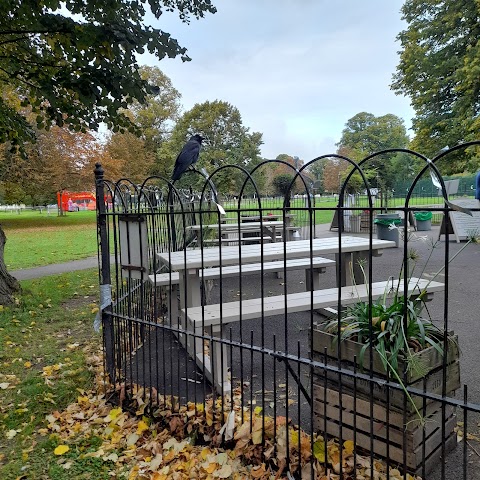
x,y
365,134
157,115
439,70
227,141
133,156
283,184
75,63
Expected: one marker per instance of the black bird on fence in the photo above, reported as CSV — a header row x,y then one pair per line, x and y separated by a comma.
x,y
188,156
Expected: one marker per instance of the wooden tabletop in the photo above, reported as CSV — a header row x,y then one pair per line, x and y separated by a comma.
x,y
232,227
266,217
233,255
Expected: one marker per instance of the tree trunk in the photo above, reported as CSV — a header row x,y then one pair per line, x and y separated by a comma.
x,y
8,284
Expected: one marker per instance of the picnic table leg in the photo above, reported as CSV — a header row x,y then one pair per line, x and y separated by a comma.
x,y
269,230
312,278
350,272
219,359
214,365
190,296
288,233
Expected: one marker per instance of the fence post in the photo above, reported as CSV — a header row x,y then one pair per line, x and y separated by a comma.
x,y
171,220
105,286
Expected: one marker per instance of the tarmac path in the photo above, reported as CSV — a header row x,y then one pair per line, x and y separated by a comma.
x,y
55,269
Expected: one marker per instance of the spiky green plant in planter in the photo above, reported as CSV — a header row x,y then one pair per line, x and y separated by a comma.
x,y
395,326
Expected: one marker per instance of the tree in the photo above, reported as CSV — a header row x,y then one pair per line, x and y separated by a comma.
x,y
128,156
273,170
438,70
75,64
157,116
283,184
80,68
316,170
365,134
332,174
133,156
59,160
227,141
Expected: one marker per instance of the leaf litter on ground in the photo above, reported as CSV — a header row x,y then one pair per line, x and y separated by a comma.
x,y
162,445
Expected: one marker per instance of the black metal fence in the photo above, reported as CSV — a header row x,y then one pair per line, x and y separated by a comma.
x,y
323,349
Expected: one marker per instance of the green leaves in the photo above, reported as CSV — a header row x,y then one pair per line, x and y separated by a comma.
x,y
438,70
381,326
365,134
80,70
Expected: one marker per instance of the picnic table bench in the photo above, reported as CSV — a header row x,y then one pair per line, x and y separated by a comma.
x,y
313,268
213,318
191,265
235,232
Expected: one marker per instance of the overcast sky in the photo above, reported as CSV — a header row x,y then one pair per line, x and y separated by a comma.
x,y
297,70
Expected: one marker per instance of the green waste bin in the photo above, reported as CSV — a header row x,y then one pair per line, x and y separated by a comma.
x,y
423,221
384,230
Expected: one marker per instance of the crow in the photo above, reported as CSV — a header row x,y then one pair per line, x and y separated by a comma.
x,y
188,156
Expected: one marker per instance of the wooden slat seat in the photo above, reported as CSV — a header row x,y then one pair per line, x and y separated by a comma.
x,y
210,315
318,265
214,318
235,240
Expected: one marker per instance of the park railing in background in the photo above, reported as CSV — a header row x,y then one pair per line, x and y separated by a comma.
x,y
288,329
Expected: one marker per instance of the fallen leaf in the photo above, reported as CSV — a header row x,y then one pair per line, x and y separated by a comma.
x,y
132,439
319,450
229,426
142,426
224,472
348,446
156,462
210,467
113,457
61,449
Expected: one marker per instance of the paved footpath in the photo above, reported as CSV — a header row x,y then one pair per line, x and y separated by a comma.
x,y
54,269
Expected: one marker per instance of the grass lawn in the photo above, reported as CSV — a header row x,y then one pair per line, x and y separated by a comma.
x,y
35,239
44,341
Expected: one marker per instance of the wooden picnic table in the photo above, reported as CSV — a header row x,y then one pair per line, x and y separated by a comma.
x,y
189,262
225,230
266,218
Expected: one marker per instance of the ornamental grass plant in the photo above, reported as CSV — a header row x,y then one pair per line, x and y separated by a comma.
x,y
397,326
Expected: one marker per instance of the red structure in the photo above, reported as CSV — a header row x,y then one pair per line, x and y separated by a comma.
x,y
75,201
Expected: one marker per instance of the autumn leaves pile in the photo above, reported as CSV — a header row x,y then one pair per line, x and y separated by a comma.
x,y
147,438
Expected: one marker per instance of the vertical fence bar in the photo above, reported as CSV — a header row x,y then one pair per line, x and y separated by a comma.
x,y
105,287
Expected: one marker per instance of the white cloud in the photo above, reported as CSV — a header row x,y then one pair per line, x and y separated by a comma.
x,y
296,69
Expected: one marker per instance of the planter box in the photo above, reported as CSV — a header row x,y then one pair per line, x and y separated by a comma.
x,y
365,225
365,388
325,342
384,433
379,419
